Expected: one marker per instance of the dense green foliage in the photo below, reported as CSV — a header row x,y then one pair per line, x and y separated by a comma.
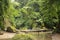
x,y
37,14
30,14
7,14
3,10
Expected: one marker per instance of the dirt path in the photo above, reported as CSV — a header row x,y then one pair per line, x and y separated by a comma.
x,y
7,35
56,37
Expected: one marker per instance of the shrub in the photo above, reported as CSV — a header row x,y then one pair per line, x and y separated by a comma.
x,y
22,37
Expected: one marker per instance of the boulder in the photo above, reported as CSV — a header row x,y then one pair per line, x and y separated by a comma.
x,y
11,29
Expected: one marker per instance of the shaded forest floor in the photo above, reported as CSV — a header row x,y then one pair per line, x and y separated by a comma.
x,y
7,36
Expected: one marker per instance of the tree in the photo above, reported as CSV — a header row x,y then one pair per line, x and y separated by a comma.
x,y
3,9
8,12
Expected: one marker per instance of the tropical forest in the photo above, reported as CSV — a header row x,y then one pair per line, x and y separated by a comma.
x,y
29,19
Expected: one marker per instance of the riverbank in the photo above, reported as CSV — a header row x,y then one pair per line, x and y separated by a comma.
x,y
8,36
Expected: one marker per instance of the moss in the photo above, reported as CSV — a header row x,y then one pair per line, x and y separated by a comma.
x,y
11,29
